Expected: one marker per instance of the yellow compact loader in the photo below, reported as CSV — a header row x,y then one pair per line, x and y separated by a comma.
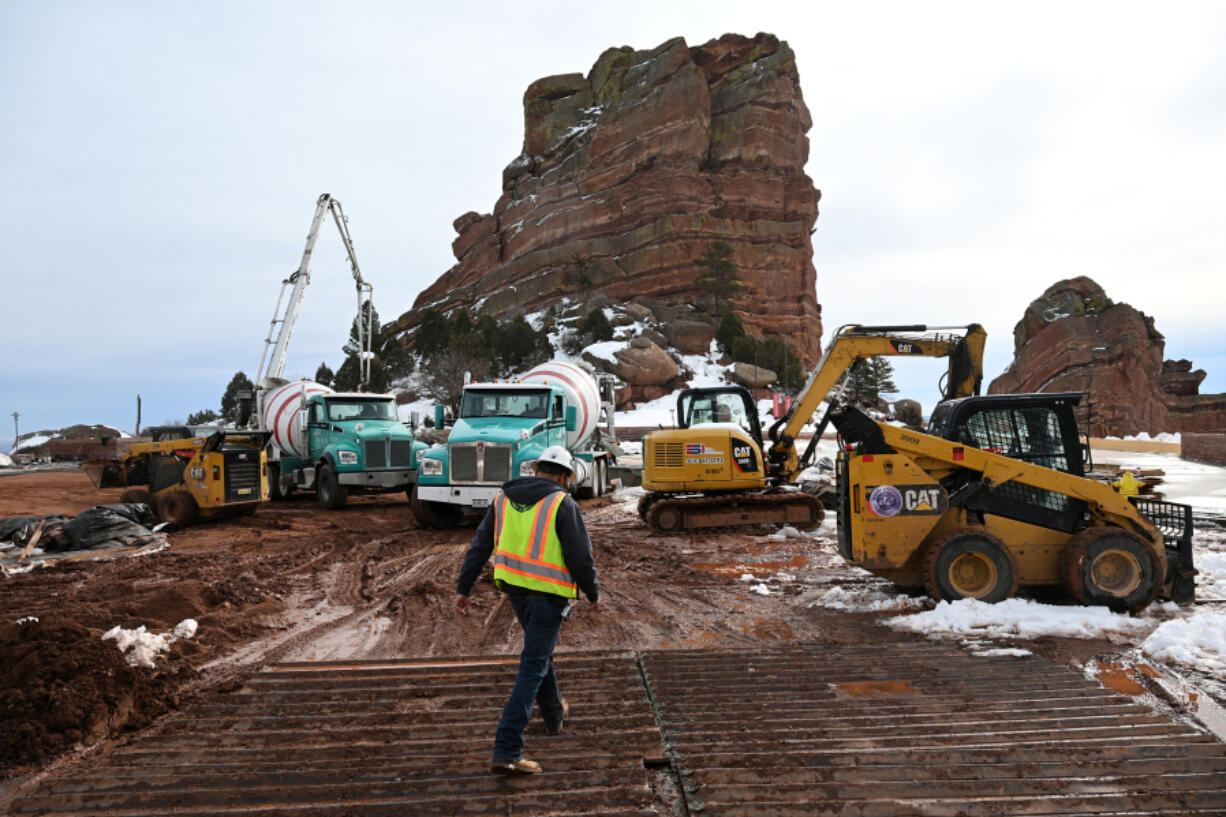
x,y
995,496
214,472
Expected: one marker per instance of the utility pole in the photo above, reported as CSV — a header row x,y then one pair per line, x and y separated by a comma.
x,y
137,432
16,432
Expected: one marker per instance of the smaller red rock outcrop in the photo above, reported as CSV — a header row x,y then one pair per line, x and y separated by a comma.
x,y
1075,338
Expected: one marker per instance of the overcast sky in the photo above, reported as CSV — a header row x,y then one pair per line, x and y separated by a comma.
x,y
160,162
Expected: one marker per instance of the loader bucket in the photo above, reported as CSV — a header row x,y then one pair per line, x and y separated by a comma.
x,y
103,473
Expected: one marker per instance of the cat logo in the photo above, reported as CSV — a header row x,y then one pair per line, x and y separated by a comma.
x,y
745,458
908,500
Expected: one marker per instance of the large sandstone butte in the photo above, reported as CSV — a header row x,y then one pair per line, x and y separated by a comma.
x,y
1075,338
629,173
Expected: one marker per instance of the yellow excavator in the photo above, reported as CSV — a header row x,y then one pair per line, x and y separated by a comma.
x,y
714,471
994,495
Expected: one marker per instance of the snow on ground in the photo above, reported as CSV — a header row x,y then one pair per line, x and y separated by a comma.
x,y
141,647
1192,483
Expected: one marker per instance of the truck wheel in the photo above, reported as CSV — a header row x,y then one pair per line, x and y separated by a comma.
x,y
332,495
177,507
138,496
970,564
434,514
1110,566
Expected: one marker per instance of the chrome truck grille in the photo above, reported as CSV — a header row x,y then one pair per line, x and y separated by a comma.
x,y
480,462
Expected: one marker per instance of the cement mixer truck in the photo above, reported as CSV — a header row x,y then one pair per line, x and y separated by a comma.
x,y
335,443
502,428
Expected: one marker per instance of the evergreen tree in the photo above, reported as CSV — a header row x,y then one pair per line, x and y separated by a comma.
x,y
869,379
432,334
324,375
720,276
202,417
353,345
229,398
596,326
730,328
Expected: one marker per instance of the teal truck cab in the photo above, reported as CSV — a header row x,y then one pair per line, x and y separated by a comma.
x,y
336,443
501,430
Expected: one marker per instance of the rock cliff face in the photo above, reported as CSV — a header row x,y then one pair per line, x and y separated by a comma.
x,y
629,173
1075,338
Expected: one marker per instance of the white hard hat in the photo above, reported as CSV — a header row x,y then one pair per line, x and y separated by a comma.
x,y
558,456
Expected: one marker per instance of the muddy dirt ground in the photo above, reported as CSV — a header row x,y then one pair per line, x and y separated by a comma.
x,y
294,582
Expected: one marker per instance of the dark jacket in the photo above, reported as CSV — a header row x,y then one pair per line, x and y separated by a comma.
x,y
576,546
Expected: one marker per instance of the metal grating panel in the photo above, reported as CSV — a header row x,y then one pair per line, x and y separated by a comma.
x,y
497,463
376,453
379,739
402,453
920,730
463,463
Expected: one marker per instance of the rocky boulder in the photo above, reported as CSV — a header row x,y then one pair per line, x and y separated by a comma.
x,y
690,337
750,376
643,363
1075,338
628,174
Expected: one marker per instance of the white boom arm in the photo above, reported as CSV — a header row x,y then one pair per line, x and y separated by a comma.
x,y
299,281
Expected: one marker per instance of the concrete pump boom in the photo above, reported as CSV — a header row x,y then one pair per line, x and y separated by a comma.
x,y
299,280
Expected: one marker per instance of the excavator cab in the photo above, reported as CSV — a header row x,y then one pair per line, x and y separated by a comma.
x,y
723,404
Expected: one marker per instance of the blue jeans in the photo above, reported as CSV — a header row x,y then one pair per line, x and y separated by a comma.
x,y
541,619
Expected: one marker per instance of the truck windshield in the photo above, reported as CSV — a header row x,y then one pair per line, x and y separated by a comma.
x,y
505,403
355,408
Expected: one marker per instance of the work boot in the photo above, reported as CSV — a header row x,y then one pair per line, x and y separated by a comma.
x,y
556,729
515,767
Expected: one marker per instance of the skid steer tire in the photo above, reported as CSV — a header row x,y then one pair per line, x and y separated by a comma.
x,y
969,564
139,496
1112,567
177,507
332,495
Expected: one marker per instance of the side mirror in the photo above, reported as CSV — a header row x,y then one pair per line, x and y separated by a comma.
x,y
414,419
302,420
572,418
439,415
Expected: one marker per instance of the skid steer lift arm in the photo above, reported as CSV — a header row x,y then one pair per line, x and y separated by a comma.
x,y
963,345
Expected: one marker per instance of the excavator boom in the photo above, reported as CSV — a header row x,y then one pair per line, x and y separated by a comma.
x,y
851,344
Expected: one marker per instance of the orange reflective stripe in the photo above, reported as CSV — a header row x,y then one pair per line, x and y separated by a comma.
x,y
540,523
500,512
534,570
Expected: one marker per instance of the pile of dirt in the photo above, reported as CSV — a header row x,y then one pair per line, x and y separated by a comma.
x,y
61,685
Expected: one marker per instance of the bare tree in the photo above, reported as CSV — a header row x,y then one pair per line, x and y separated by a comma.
x,y
443,375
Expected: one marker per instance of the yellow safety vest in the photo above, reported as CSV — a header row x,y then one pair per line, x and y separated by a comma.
x,y
527,551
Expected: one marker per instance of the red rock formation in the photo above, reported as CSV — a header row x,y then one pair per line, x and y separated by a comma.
x,y
1075,338
630,172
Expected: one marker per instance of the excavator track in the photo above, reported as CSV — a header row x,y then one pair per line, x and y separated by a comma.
x,y
676,514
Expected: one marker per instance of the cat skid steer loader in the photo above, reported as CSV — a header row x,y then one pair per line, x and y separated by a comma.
x,y
994,496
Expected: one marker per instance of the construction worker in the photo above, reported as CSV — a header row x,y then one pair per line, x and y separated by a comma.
x,y
542,558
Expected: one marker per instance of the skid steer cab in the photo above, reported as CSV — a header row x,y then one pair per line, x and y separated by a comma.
x,y
996,495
